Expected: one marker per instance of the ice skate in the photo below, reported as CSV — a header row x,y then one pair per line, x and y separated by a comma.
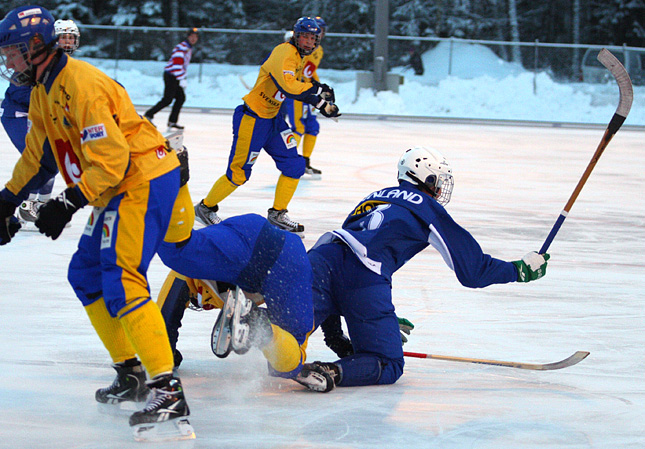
x,y
174,127
250,326
311,173
129,385
164,416
319,376
221,335
207,215
280,219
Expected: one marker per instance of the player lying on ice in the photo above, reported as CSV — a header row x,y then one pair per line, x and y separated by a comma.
x,y
353,267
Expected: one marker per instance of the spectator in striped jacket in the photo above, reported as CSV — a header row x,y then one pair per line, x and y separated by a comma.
x,y
174,78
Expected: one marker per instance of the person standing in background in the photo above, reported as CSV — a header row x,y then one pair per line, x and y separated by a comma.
x,y
175,82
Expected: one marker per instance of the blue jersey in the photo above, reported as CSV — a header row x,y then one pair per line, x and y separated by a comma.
x,y
391,225
16,99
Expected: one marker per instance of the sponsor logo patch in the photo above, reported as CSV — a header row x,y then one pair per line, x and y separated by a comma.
x,y
280,96
109,219
94,132
289,138
91,221
29,12
253,157
161,153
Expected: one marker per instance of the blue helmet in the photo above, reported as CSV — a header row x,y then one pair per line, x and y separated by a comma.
x,y
26,33
321,23
306,25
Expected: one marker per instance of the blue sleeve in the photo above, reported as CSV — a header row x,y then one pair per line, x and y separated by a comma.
x,y
472,266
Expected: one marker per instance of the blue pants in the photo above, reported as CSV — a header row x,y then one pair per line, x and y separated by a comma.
x,y
344,286
251,134
301,117
118,244
249,252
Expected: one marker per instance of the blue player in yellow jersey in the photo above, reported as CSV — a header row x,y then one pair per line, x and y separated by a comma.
x,y
353,266
258,125
14,110
301,116
84,125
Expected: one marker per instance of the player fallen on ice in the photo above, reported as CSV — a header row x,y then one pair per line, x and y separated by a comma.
x,y
84,125
353,266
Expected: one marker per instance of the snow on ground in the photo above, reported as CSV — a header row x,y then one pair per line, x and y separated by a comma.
x,y
511,183
481,86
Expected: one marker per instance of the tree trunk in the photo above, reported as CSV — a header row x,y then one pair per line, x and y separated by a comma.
x,y
575,69
515,31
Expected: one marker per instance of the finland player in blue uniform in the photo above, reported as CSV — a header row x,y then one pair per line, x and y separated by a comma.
x,y
353,266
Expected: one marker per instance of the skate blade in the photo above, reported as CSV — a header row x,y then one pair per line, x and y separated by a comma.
x,y
306,177
120,409
30,226
173,430
221,335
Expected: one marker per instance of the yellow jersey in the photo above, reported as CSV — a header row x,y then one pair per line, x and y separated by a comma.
x,y
280,77
312,62
83,122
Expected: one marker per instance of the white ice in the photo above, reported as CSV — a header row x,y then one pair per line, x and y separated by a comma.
x,y
511,183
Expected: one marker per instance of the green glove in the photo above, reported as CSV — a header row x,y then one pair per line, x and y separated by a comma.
x,y
531,267
405,326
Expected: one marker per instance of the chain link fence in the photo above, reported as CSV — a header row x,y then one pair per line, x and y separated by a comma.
x,y
343,51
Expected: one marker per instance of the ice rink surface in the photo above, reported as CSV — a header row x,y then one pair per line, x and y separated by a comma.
x,y
510,185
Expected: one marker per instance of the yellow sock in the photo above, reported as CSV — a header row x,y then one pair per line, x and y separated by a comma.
x,y
308,144
182,219
146,330
110,332
220,190
283,352
284,191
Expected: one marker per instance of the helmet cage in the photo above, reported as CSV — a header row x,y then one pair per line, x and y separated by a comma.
x,y
429,170
26,34
67,28
306,25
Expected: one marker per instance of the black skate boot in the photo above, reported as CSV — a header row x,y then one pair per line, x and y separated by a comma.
x,y
311,172
280,219
207,215
129,385
166,403
319,376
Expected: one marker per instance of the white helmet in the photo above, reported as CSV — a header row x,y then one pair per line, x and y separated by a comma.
x,y
63,27
288,35
428,169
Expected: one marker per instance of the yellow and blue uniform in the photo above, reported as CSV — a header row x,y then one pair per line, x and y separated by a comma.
x,y
85,126
258,125
302,116
261,259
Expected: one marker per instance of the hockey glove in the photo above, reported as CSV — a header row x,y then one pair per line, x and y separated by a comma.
x,y
57,212
335,339
405,326
325,92
9,224
329,110
184,172
531,267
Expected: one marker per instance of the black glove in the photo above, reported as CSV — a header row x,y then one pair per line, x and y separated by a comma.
x,y
329,110
9,224
324,91
184,172
335,339
57,212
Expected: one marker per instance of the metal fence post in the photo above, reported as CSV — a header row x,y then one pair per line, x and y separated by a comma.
x,y
450,57
535,66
